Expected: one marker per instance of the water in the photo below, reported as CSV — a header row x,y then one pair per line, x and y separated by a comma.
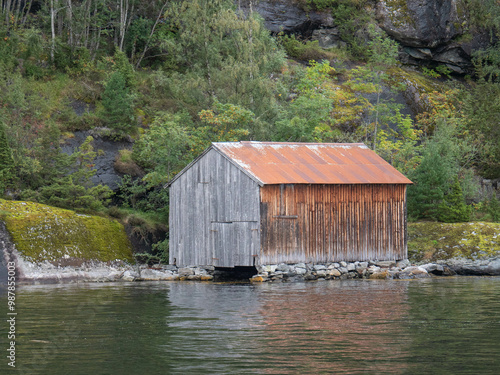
x,y
436,326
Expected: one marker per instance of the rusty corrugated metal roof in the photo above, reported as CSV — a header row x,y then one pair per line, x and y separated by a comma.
x,y
311,163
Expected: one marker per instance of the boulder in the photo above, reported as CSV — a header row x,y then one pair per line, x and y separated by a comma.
x,y
479,267
334,272
285,268
413,272
386,263
271,268
130,275
402,263
373,269
343,270
420,23
300,270
258,279
186,271
435,269
154,275
321,273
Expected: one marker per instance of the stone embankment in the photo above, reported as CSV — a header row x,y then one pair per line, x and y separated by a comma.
x,y
378,270
343,271
118,271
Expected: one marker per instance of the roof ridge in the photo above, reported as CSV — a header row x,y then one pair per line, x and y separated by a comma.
x,y
292,143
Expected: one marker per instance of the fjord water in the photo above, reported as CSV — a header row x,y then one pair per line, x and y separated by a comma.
x,y
441,326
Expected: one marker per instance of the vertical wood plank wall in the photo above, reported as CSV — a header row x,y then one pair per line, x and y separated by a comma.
x,y
326,223
214,215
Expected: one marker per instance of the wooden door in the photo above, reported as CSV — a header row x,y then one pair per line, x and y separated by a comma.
x,y
234,243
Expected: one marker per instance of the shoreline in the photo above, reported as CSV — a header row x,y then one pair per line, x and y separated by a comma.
x,y
29,273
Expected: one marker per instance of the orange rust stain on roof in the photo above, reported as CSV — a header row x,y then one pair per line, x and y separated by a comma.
x,y
311,163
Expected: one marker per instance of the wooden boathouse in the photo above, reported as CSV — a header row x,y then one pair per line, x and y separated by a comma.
x,y
255,203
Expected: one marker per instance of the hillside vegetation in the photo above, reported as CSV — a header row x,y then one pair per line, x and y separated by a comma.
x,y
174,76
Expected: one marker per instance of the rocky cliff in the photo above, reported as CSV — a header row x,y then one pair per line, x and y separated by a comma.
x,y
430,32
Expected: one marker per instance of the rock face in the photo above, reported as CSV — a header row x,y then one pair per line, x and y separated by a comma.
x,y
107,152
426,29
287,16
420,23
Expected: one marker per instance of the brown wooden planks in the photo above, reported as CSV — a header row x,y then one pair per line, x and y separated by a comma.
x,y
333,223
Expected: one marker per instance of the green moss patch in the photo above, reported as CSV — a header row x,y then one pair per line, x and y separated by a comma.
x,y
42,233
432,241
418,87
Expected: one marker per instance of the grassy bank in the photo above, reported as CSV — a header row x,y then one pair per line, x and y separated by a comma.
x,y
431,241
42,233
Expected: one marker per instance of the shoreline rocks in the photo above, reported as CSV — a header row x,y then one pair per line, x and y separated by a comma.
x,y
340,271
378,270
47,273
93,271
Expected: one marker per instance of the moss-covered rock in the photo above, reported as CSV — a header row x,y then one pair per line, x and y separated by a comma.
x,y
418,88
431,241
43,233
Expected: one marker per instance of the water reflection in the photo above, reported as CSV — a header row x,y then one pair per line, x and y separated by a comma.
x,y
343,327
455,325
347,327
90,328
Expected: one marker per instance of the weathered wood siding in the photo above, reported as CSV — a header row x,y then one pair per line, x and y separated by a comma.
x,y
214,215
326,223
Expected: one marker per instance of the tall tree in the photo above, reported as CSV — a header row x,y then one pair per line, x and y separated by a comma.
x,y
371,78
220,53
6,160
452,208
439,165
117,104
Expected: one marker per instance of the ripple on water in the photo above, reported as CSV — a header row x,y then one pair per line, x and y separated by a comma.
x,y
346,327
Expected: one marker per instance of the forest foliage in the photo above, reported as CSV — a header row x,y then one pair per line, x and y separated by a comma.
x,y
176,75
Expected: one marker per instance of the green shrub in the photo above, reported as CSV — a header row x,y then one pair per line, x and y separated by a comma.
x,y
116,212
493,208
161,250
6,160
118,112
304,51
453,209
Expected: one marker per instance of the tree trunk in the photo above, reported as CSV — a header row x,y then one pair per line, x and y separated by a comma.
x,y
6,10
26,11
379,92
126,12
150,35
69,16
53,30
